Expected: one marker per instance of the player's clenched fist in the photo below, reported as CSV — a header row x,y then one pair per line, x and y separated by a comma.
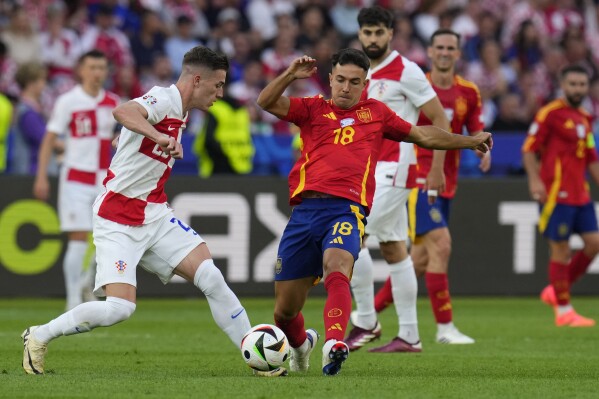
x,y
484,142
171,147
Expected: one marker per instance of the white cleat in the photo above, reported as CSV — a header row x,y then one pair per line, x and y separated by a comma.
x,y
300,357
453,336
278,372
334,353
34,352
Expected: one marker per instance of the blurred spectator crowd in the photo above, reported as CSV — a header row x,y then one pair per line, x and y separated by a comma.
x,y
512,49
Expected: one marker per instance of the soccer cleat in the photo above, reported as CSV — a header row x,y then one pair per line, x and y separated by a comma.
x,y
573,319
453,336
398,345
300,357
278,372
33,352
358,337
548,296
334,353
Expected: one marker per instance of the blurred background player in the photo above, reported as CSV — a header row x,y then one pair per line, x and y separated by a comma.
x,y
133,224
30,123
83,118
429,232
324,233
401,85
558,151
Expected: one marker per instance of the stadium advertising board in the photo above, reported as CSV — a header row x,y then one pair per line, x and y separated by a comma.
x,y
496,247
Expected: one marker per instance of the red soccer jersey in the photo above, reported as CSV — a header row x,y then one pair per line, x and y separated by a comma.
x,y
463,107
340,147
562,136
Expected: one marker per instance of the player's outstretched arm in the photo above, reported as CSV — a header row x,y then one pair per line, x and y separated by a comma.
x,y
438,139
135,118
271,98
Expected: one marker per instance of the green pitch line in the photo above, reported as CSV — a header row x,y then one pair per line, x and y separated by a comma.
x,y
172,349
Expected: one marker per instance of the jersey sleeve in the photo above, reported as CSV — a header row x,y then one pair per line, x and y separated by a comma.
x,y
416,86
394,127
60,117
537,135
474,118
156,103
299,110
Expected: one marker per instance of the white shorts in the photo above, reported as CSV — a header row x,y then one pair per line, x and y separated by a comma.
x,y
158,247
75,201
388,219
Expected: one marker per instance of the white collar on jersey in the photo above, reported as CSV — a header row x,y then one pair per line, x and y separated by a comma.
x,y
392,55
99,97
178,103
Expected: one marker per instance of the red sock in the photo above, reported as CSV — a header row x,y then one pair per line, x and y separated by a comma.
x,y
337,306
293,329
384,296
578,266
438,292
559,278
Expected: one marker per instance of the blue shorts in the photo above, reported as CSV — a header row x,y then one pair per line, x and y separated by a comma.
x,y
424,217
558,222
315,225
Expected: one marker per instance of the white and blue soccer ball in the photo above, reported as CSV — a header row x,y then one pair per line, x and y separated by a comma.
x,y
265,347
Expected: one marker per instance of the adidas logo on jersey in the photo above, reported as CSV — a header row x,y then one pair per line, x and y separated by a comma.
x,y
337,240
330,115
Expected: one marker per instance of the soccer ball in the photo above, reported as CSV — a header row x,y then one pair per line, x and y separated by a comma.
x,y
264,347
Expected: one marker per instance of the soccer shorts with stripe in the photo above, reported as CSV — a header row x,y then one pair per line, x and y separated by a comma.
x,y
559,221
316,225
424,217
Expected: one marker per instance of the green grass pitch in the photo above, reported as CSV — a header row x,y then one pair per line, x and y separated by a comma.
x,y
171,348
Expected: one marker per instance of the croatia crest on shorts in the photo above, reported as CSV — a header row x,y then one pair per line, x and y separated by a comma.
x,y
120,266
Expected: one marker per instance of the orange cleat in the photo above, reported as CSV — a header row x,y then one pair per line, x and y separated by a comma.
x,y
548,296
573,319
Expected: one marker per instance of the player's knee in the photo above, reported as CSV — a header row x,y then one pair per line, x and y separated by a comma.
x,y
443,247
284,315
117,310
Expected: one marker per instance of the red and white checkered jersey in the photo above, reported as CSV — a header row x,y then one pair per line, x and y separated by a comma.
x,y
403,87
87,125
135,183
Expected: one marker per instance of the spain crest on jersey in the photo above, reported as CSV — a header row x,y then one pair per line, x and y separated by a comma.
x,y
364,115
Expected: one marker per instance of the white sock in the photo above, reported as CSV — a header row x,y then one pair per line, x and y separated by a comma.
x,y
362,284
86,317
442,328
226,309
405,292
72,269
561,309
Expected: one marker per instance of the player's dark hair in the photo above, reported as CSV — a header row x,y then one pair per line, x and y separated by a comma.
x,y
574,69
373,16
91,54
444,31
351,56
205,57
